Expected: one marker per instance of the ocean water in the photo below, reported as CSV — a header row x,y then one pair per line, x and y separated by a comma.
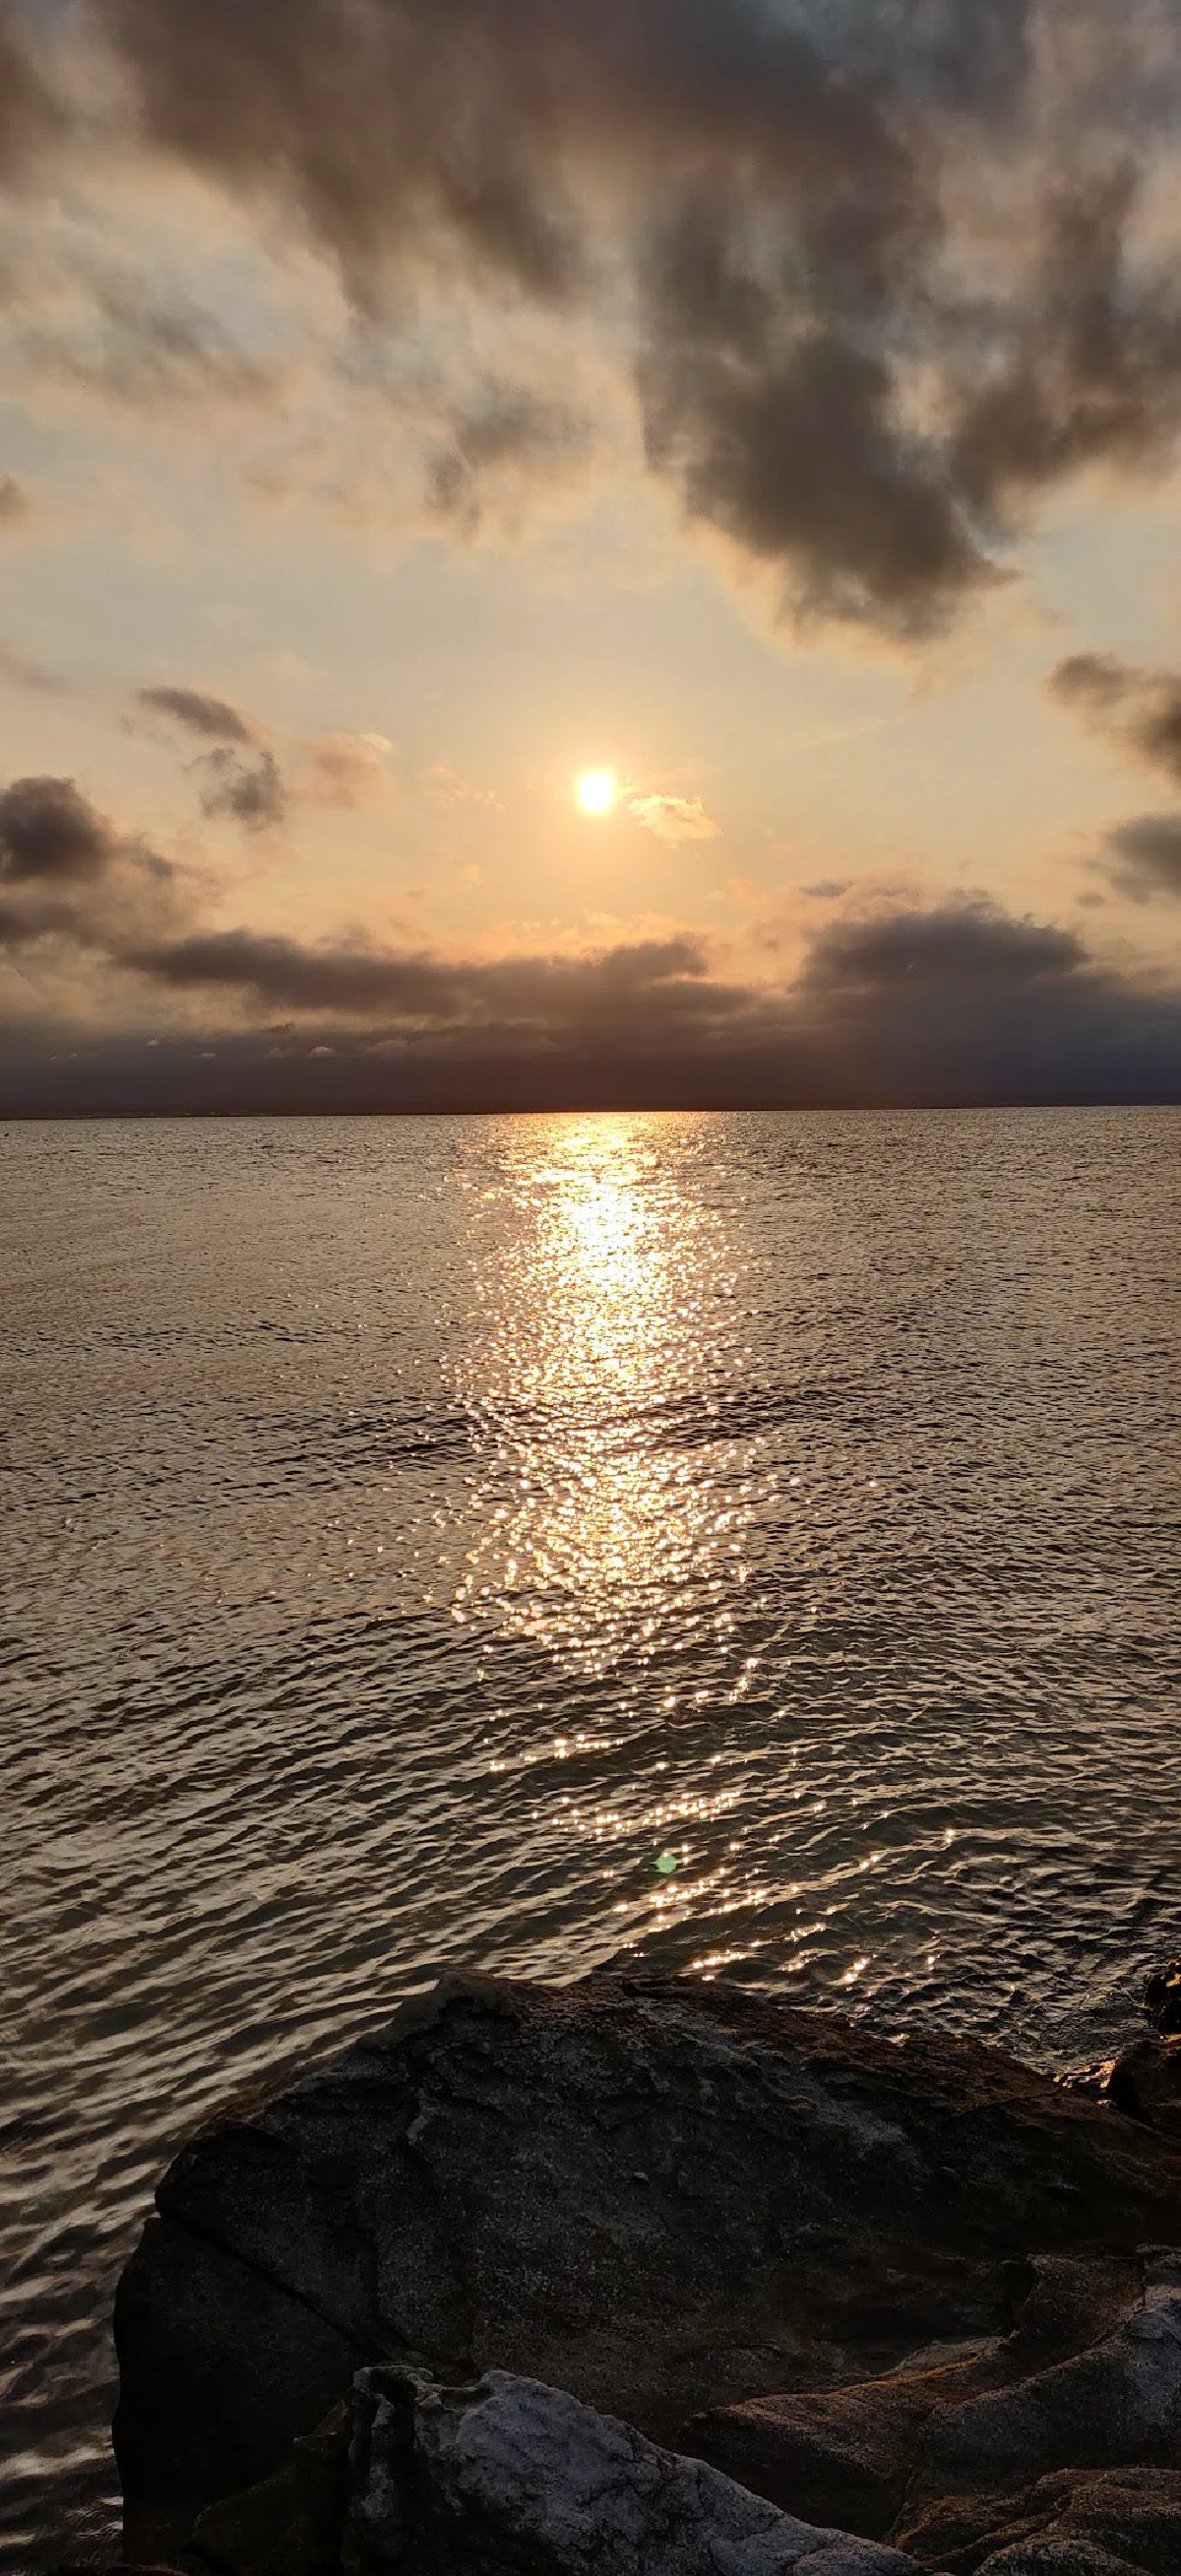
x,y
415,1533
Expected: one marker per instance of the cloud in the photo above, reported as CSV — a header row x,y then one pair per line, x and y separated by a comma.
x,y
1137,708
22,672
509,438
250,792
674,818
451,789
124,339
68,876
15,506
424,992
1143,857
804,462
882,277
50,833
963,951
903,1000
343,771
213,718
30,117
337,771
1092,368
1000,1011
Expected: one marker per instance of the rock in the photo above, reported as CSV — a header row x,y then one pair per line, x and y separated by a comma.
x,y
1145,2082
521,2479
843,2454
461,2186
1056,2558
291,2524
853,2452
512,2479
1117,2402
1134,2515
1162,1999
221,2369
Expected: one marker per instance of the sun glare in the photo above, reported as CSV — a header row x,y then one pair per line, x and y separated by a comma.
x,y
597,791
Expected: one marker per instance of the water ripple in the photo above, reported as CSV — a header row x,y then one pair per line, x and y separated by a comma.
x,y
749,1543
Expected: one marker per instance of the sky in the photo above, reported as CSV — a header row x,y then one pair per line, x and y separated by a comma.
x,y
410,407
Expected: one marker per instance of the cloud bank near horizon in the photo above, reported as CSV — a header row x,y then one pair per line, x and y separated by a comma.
x,y
951,999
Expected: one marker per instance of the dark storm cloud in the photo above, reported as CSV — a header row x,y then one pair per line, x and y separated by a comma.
x,y
50,833
957,1001
806,465
1084,370
964,1001
68,876
546,995
761,195
959,949
1143,857
249,792
1138,708
213,718
764,192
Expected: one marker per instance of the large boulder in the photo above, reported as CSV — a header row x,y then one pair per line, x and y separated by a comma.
x,y
659,2195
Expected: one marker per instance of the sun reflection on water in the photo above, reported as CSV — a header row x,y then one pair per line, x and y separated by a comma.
x,y
638,1540
606,1295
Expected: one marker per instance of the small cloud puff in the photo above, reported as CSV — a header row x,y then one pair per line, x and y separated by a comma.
x,y
674,818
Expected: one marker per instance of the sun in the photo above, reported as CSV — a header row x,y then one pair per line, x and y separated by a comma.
x,y
597,790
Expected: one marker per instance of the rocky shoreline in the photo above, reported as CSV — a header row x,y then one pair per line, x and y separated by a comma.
x,y
649,2277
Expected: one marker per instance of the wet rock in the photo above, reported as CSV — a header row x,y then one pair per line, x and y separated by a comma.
x,y
1162,1999
462,2186
1131,2515
1145,2083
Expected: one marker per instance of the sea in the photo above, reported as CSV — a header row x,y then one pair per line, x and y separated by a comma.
x,y
745,1544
